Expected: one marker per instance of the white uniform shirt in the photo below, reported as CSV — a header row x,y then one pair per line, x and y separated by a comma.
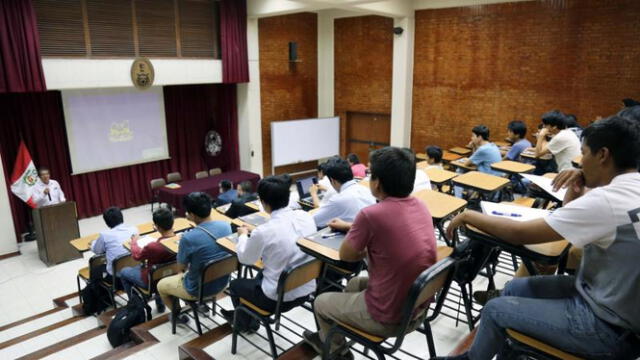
x,y
422,181
345,205
42,199
327,193
565,146
275,242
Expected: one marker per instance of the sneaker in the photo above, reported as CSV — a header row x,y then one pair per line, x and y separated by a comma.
x,y
464,356
160,307
252,328
181,320
344,355
313,339
483,297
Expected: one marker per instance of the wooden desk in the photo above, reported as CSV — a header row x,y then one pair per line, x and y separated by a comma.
x,y
83,244
577,161
422,165
255,205
364,183
502,144
481,182
531,155
229,245
448,157
421,156
460,163
239,222
439,177
172,243
550,175
441,206
512,167
460,151
222,209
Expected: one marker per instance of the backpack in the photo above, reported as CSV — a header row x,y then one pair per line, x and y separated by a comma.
x,y
136,312
95,298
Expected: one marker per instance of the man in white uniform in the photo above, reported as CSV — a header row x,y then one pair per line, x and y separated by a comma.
x,y
47,191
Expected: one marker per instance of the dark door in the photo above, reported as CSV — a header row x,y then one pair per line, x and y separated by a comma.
x,y
367,132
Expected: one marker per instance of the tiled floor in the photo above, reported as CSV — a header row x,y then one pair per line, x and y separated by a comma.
x,y
27,287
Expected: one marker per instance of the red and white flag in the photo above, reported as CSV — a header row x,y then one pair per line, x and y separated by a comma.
x,y
24,176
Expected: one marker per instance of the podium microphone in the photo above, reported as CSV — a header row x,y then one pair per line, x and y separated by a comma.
x,y
49,195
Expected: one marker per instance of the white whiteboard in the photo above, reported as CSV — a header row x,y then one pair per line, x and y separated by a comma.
x,y
297,141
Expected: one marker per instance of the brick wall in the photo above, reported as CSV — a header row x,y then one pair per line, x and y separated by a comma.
x,y
363,66
288,91
491,64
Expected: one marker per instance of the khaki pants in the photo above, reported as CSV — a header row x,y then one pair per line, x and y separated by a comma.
x,y
350,308
172,286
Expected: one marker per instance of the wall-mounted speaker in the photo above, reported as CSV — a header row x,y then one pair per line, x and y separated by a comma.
x,y
293,51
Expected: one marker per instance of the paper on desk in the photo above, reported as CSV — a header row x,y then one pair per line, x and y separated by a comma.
x,y
145,240
545,184
525,213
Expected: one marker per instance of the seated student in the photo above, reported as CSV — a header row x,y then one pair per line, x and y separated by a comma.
x,y
564,144
227,193
358,169
111,242
197,247
516,132
275,243
596,314
324,185
152,254
422,180
350,197
434,157
397,237
245,194
573,125
485,154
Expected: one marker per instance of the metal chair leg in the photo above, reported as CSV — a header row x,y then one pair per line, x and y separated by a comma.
x,y
174,315
234,335
79,290
467,306
430,342
194,307
272,343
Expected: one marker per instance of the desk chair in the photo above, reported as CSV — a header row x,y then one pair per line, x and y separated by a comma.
x,y
295,275
433,282
213,270
521,346
156,273
201,174
215,171
174,177
119,263
156,184
91,272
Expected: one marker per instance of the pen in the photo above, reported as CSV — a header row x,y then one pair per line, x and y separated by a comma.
x,y
329,235
506,214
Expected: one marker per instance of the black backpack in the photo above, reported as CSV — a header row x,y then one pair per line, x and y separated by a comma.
x,y
136,312
95,298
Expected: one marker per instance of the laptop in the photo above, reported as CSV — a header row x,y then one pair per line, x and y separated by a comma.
x,y
303,186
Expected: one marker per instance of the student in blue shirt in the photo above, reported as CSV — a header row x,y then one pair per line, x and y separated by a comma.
x,y
516,132
486,153
227,193
197,247
111,242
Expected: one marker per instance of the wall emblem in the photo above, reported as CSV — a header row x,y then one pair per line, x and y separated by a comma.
x,y
142,73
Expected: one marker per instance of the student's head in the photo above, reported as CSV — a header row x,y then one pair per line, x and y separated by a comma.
x,y
197,205
338,171
353,159
112,217
554,121
45,174
274,192
571,121
632,113
479,134
163,219
321,171
244,188
225,185
609,147
393,172
516,130
628,102
434,154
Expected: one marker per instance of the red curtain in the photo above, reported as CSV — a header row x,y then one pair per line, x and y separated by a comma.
x,y
191,111
233,41
20,66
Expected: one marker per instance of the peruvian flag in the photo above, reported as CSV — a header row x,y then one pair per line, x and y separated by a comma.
x,y
24,176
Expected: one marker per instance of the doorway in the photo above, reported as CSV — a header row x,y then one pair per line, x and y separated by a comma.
x,y
367,132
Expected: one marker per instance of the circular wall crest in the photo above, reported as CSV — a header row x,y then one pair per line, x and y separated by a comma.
x,y
142,73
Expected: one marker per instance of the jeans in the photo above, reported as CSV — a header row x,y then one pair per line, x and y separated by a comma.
x,y
550,309
132,276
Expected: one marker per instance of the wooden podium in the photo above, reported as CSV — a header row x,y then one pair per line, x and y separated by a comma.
x,y
55,226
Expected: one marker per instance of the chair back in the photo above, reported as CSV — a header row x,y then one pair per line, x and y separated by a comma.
x,y
161,271
94,262
201,175
216,269
294,276
121,262
215,171
157,183
174,177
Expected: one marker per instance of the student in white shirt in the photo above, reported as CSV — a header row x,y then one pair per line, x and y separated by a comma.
x,y
564,144
47,191
434,157
594,314
324,185
350,197
275,243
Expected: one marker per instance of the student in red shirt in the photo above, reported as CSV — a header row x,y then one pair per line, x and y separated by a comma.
x,y
358,169
152,254
397,237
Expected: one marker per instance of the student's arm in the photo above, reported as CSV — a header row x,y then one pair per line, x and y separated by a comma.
x,y
340,225
354,246
97,246
573,181
136,250
541,148
477,157
313,190
249,249
327,212
184,254
514,232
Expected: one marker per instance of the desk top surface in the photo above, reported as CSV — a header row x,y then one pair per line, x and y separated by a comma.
x,y
440,205
512,167
481,181
577,161
448,156
461,164
229,244
460,150
550,249
439,176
